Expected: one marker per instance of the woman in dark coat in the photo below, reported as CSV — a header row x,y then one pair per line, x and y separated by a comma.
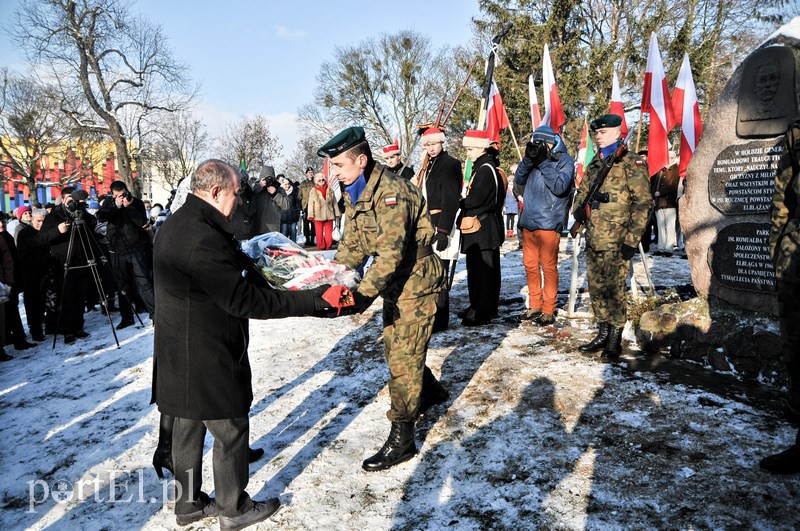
x,y
485,195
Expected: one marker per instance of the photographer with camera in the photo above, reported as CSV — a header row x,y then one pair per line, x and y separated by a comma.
x,y
271,200
72,289
544,178
128,242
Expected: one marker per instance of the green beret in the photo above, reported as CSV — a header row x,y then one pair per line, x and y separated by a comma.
x,y
607,120
350,137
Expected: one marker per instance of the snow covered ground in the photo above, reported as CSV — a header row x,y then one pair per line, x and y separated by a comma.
x,y
535,434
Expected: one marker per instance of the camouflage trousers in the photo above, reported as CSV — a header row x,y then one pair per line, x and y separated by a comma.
x,y
407,327
606,272
789,316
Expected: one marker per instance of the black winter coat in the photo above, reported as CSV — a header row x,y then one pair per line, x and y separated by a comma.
x,y
59,243
443,188
200,368
124,228
485,200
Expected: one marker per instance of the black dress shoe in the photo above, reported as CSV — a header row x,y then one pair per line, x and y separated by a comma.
x,y
5,357
208,511
125,323
254,454
468,321
82,334
69,339
39,337
260,511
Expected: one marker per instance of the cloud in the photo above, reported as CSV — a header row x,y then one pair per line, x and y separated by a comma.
x,y
285,33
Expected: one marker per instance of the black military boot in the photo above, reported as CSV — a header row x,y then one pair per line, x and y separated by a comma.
x,y
599,340
613,346
399,447
433,392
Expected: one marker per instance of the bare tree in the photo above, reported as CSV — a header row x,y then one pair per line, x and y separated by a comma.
x,y
113,68
249,141
32,128
388,85
305,156
181,141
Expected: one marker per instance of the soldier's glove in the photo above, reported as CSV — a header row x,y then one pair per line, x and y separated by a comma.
x,y
441,241
362,302
628,252
580,215
321,304
536,152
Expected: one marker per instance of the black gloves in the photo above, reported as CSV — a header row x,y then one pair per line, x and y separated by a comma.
x,y
580,215
320,304
628,252
440,240
362,302
537,152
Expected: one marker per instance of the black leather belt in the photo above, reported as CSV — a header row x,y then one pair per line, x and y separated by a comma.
x,y
424,251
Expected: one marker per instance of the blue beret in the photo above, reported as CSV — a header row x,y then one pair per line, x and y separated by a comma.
x,y
350,137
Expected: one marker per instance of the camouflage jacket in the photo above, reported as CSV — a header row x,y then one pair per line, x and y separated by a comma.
x,y
623,218
784,237
390,222
304,192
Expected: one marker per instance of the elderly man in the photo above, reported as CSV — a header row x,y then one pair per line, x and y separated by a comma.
x,y
387,219
206,289
614,231
34,256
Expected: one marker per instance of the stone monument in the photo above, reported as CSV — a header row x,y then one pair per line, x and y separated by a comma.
x,y
724,212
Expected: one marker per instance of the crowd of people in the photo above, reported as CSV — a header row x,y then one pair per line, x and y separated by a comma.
x,y
410,226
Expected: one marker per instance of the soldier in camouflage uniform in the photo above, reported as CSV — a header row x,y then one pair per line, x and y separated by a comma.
x,y
387,219
613,230
784,245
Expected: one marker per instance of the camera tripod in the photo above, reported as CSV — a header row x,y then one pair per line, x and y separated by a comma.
x,y
89,244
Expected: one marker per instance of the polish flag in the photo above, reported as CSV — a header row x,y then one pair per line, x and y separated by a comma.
x,y
585,153
687,114
554,112
496,117
656,101
536,115
616,104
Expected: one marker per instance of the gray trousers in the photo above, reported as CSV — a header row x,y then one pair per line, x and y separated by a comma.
x,y
230,462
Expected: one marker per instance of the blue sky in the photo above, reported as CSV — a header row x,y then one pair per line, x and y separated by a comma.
x,y
263,57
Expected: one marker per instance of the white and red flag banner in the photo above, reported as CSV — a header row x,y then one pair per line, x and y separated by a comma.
x,y
687,114
554,112
536,114
616,106
657,102
496,117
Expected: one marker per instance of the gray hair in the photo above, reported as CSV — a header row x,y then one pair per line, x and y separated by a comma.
x,y
38,212
213,172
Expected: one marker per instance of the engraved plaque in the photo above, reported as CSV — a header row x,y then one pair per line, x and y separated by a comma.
x,y
767,101
742,178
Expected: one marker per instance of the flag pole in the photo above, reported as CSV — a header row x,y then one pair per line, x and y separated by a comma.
x,y
514,138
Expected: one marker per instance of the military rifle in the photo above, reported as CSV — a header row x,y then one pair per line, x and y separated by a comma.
x,y
608,162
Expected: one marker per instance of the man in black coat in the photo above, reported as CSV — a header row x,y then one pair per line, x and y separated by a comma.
x,y
57,229
391,157
206,290
128,243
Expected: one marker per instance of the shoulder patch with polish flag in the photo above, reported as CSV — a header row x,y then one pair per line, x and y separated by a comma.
x,y
639,162
390,201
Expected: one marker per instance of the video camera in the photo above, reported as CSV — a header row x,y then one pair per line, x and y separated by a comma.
x,y
75,204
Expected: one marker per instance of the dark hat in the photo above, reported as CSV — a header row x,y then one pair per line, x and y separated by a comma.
x,y
267,172
607,120
350,137
310,169
544,133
